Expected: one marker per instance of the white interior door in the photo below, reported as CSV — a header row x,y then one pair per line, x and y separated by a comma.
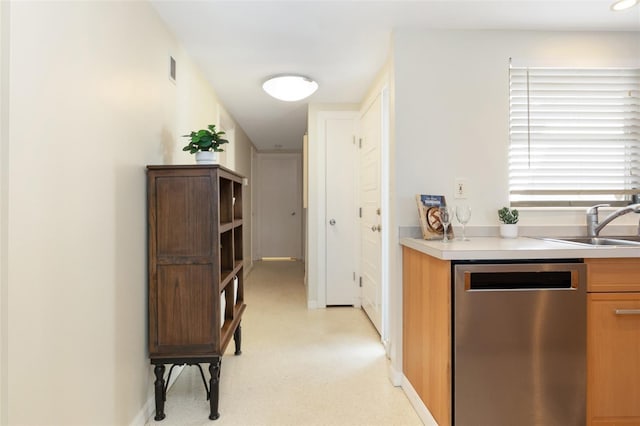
x,y
370,202
341,229
279,208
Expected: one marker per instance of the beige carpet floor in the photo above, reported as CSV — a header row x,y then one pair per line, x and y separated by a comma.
x,y
298,366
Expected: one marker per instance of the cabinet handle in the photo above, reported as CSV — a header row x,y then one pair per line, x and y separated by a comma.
x,y
627,311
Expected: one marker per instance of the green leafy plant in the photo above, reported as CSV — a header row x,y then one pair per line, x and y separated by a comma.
x,y
205,140
508,216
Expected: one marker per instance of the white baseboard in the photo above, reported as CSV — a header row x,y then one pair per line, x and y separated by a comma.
x,y
395,376
312,304
417,403
247,269
145,414
149,408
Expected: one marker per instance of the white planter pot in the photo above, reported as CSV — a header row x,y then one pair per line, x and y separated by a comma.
x,y
206,157
509,230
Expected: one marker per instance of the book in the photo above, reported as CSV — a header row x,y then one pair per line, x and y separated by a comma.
x,y
429,214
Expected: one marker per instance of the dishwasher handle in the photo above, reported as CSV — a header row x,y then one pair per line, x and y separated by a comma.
x,y
521,277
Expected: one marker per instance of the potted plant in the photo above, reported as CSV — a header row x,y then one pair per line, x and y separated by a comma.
x,y
509,218
205,144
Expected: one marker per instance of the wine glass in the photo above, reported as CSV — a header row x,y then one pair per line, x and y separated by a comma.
x,y
463,214
445,219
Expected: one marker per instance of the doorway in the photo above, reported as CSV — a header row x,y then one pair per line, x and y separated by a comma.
x,y
279,205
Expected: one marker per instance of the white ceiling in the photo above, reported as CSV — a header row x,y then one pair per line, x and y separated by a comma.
x,y
340,44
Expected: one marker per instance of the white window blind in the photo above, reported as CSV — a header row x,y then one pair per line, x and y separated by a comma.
x,y
574,136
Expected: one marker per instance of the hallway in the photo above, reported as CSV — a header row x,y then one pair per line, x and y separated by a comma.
x,y
298,366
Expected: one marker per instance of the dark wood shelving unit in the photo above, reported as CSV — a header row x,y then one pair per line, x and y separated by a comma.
x,y
196,291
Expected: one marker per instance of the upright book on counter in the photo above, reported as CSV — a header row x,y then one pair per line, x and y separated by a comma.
x,y
429,214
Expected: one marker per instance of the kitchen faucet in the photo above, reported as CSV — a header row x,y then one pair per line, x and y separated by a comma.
x,y
594,227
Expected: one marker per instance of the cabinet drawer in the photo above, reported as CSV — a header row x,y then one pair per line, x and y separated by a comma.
x,y
613,275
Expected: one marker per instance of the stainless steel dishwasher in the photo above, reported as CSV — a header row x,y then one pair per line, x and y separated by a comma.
x,y
519,343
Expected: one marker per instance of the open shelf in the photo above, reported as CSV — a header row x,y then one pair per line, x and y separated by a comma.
x,y
237,200
228,274
226,250
226,200
226,226
237,244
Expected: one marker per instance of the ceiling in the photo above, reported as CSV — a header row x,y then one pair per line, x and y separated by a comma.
x,y
341,44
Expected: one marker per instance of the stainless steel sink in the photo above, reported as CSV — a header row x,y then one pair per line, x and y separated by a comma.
x,y
627,240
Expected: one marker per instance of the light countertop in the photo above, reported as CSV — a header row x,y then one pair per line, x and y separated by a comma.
x,y
481,248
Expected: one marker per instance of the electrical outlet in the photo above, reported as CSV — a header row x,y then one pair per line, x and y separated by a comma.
x,y
461,189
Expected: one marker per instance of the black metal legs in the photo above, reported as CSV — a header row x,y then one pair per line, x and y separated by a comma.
x,y
214,388
212,391
159,391
237,338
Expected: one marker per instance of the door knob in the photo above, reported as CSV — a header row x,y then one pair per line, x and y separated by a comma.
x,y
332,222
375,228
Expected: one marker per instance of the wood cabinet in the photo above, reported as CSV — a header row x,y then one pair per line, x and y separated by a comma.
x,y
613,342
613,337
426,330
196,296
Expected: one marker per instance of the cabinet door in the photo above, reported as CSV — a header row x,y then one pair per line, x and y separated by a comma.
x,y
613,359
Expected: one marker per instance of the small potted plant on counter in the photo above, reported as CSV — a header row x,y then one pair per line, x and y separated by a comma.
x,y
509,219
205,144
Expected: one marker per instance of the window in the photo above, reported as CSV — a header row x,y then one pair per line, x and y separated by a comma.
x,y
574,136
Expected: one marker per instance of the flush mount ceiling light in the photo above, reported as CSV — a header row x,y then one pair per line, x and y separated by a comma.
x,y
290,87
624,4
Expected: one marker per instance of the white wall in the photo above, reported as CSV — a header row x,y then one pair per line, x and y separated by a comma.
x,y
243,153
90,105
452,108
4,204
